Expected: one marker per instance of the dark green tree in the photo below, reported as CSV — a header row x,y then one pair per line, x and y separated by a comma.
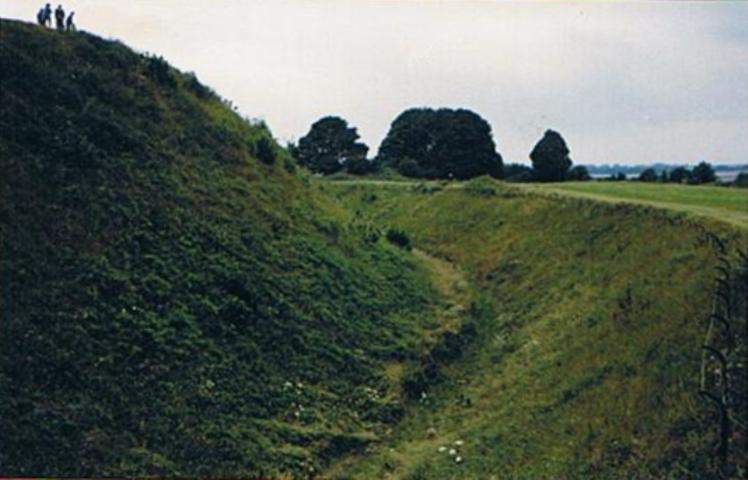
x,y
361,166
741,180
516,172
648,175
680,175
550,158
703,173
579,173
329,145
443,143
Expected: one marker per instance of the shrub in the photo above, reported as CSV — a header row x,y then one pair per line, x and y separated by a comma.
x,y
516,172
579,174
159,70
399,238
264,151
194,85
359,166
741,180
648,175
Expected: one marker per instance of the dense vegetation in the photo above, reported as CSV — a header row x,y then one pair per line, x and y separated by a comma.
x,y
701,173
180,299
550,158
585,360
442,143
330,146
175,299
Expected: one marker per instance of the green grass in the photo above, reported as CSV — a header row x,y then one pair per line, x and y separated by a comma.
x,y
172,304
586,360
180,299
725,204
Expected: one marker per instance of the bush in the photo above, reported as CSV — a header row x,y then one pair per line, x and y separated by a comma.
x,y
399,238
159,70
359,166
194,85
648,175
741,180
264,151
516,172
579,174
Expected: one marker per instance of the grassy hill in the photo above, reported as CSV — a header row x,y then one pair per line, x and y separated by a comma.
x,y
179,299
586,361
176,299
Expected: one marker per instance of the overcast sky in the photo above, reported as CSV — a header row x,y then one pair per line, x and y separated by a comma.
x,y
626,82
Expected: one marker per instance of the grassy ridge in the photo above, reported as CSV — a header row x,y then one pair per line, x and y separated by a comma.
x,y
726,204
587,366
176,299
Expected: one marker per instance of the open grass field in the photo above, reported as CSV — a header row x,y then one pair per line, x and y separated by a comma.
x,y
725,204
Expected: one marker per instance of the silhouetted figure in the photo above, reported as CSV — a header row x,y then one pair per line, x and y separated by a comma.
x,y
40,17
47,19
60,18
69,24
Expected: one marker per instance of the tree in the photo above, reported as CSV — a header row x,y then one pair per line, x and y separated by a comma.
x,y
579,174
648,175
360,166
516,172
680,175
703,173
550,158
741,180
442,143
616,177
264,150
329,144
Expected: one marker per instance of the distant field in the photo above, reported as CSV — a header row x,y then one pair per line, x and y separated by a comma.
x,y
726,204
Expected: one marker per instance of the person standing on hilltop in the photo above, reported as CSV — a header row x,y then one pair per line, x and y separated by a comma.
x,y
40,17
60,18
47,18
69,24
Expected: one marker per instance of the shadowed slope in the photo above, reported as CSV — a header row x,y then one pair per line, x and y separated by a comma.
x,y
175,298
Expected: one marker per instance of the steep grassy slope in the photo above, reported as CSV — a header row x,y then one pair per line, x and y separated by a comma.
x,y
586,359
170,303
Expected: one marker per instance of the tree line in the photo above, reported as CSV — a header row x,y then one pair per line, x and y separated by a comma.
x,y
449,143
430,143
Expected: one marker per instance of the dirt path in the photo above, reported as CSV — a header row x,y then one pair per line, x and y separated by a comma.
x,y
454,288
457,295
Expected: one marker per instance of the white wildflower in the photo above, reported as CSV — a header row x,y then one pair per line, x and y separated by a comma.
x,y
459,443
458,460
442,448
452,452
